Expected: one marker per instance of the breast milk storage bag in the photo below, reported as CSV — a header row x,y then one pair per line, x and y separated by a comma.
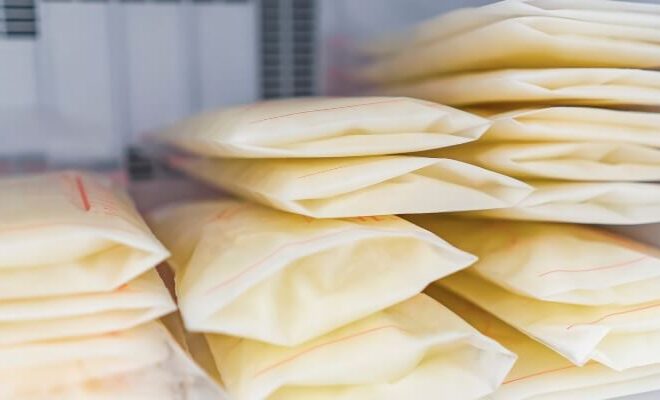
x,y
80,296
562,160
249,271
617,203
361,186
325,127
541,374
587,294
573,124
561,86
140,363
75,258
414,349
520,34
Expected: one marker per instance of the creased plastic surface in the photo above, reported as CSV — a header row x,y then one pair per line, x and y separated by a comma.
x,y
577,161
249,271
70,232
565,86
578,124
563,263
540,373
360,186
410,350
325,127
523,42
616,203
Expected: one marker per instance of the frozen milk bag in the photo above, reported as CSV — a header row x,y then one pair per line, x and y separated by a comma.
x,y
577,161
522,42
325,127
623,203
563,263
541,374
141,363
245,270
70,232
565,86
577,124
360,186
415,349
468,19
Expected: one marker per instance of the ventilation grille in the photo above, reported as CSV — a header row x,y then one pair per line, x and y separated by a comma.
x,y
18,18
148,1
288,34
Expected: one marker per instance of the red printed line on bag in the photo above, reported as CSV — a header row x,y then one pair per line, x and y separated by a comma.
x,y
287,245
83,193
227,213
324,171
609,266
325,109
321,345
604,317
538,374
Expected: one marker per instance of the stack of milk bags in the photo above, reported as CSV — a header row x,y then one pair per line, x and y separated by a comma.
x,y
569,87
572,111
587,294
318,295
80,296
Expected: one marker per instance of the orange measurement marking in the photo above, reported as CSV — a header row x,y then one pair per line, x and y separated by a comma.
x,y
325,109
323,171
83,193
604,317
609,266
538,373
321,345
284,246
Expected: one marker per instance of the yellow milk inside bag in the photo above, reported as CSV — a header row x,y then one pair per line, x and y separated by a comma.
x,y
565,86
70,232
237,265
463,20
360,186
325,127
414,349
523,42
614,335
563,263
143,362
579,124
143,299
539,373
617,203
562,160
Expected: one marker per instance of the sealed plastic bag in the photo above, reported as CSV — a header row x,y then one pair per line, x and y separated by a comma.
x,y
562,160
582,124
360,186
523,42
70,232
539,373
415,349
326,127
568,86
615,336
464,20
143,299
555,262
237,265
141,363
586,202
